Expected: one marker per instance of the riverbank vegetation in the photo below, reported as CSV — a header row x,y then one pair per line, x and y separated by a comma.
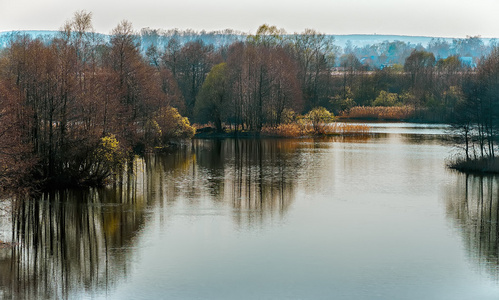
x,y
326,129
318,122
476,121
390,113
75,108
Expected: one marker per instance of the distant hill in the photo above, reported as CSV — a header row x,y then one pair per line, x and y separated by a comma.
x,y
217,38
361,40
387,50
43,34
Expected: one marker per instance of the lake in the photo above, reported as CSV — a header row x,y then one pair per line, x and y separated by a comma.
x,y
377,217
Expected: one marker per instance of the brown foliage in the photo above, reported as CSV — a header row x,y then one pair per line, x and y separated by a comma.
x,y
264,84
15,155
71,92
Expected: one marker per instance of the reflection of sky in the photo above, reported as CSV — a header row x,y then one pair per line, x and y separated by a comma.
x,y
5,221
366,222
361,220
409,128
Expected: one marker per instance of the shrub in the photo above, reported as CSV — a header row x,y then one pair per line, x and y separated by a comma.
x,y
288,116
319,116
386,99
108,158
168,124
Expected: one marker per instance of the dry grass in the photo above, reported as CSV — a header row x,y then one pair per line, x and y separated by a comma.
x,y
346,129
284,130
379,112
298,130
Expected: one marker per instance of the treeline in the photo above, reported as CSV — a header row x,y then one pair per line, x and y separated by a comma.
x,y
477,118
443,90
426,87
271,77
373,51
389,53
76,107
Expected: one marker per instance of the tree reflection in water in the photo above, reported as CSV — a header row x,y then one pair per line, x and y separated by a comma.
x,y
79,242
70,242
255,177
260,178
473,204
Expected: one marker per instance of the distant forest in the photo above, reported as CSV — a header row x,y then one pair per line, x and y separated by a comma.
x,y
373,51
75,107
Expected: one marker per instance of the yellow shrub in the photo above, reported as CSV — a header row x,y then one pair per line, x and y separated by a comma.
x,y
109,153
319,116
168,123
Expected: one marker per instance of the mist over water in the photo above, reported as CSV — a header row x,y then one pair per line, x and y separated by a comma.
x,y
373,218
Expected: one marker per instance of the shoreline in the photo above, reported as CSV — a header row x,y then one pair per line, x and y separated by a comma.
x,y
478,166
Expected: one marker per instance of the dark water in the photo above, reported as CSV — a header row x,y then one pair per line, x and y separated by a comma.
x,y
372,218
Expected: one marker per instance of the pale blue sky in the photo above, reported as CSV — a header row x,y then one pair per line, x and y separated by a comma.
x,y
445,18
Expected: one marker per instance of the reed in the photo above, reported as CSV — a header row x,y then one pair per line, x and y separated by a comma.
x,y
380,112
303,129
284,130
338,128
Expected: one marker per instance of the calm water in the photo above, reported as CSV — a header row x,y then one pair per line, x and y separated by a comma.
x,y
373,218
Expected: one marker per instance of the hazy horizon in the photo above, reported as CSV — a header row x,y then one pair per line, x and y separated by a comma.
x,y
252,32
449,19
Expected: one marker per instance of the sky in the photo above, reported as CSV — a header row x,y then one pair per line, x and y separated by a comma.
x,y
436,18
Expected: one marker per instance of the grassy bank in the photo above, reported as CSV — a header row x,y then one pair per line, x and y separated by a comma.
x,y
293,130
379,113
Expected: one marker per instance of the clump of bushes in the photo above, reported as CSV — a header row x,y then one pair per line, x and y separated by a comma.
x,y
319,117
168,124
109,157
319,121
387,99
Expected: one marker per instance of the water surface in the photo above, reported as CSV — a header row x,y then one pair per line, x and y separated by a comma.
x,y
340,218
